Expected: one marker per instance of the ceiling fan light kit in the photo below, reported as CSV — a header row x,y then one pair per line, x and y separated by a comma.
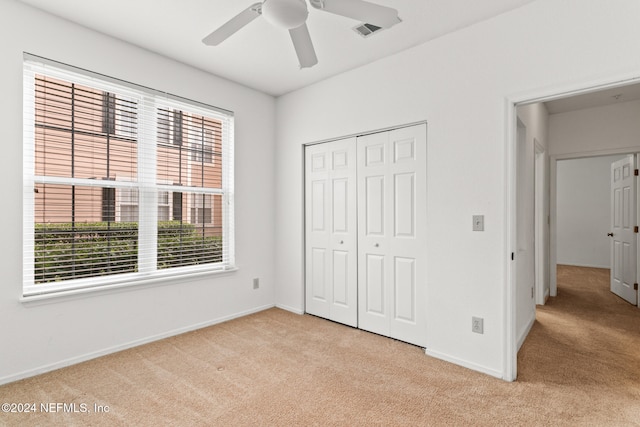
x,y
287,14
292,15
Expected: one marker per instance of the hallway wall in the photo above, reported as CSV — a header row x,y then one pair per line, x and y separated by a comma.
x,y
583,211
592,130
535,118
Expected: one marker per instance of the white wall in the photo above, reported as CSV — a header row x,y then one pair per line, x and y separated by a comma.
x,y
459,83
593,130
583,215
534,117
38,337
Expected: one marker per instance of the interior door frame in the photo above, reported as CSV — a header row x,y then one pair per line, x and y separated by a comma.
x,y
511,102
553,260
541,248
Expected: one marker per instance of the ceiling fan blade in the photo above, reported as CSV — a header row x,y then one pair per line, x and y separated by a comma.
x,y
360,10
233,25
303,45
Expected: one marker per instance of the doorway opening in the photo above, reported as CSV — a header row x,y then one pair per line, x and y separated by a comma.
x,y
547,121
595,215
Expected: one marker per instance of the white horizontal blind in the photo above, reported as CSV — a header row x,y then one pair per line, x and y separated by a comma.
x,y
121,183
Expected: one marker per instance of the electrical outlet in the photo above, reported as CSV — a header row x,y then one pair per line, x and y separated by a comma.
x,y
478,222
256,283
477,325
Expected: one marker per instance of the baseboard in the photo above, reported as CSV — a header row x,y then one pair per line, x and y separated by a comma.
x,y
131,344
464,363
584,265
291,309
525,332
546,295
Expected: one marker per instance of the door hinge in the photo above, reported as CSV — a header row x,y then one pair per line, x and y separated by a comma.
x,y
635,229
635,172
512,256
635,286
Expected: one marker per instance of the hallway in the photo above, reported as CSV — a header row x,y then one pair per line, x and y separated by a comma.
x,y
586,341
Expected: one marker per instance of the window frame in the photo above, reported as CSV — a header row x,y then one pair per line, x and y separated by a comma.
x,y
148,184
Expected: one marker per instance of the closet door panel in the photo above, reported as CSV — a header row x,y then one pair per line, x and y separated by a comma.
x,y
408,245
373,266
365,232
392,219
318,274
341,279
405,289
330,230
374,206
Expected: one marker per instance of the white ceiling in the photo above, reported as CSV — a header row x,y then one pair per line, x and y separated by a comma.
x,y
262,56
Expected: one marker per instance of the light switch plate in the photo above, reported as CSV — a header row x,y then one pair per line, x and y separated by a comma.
x,y
477,325
478,223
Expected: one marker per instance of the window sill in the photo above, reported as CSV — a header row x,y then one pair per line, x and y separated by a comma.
x,y
132,285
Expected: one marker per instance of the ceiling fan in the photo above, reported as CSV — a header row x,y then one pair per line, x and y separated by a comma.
x,y
292,15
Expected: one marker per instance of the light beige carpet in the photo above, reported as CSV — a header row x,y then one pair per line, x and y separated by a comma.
x,y
580,366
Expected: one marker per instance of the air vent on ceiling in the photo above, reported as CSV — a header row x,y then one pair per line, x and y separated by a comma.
x,y
365,30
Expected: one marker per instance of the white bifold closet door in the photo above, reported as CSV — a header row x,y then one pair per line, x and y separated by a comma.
x,y
392,211
365,201
331,234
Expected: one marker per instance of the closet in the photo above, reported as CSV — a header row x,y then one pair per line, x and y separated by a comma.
x,y
365,232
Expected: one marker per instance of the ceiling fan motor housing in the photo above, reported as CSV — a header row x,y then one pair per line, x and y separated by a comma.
x,y
287,14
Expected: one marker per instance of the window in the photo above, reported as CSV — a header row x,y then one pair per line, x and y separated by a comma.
x,y
108,113
108,204
169,126
128,205
117,193
177,206
118,115
203,148
126,118
201,209
163,206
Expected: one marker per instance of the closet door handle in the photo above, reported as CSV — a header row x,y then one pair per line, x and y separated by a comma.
x,y
610,234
